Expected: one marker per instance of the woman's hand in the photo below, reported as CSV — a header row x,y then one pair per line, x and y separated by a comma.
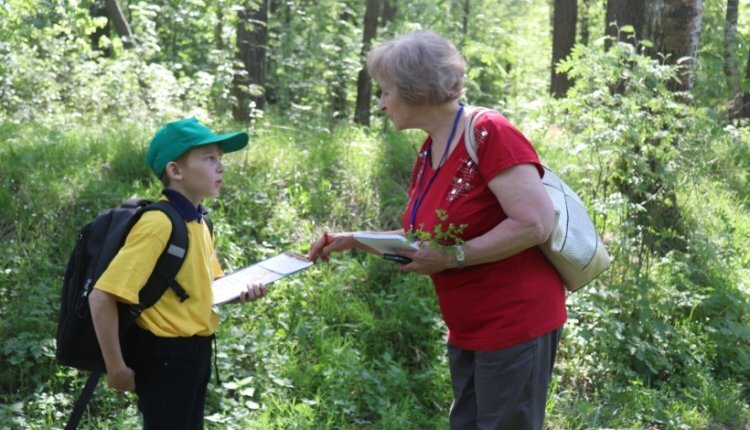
x,y
329,243
427,260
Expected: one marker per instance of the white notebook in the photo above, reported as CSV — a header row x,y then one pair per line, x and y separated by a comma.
x,y
230,286
385,243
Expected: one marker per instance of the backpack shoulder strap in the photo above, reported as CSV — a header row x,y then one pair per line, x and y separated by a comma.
x,y
170,261
210,225
469,139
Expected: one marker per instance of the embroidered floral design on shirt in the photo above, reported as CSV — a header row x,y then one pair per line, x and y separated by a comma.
x,y
461,183
480,135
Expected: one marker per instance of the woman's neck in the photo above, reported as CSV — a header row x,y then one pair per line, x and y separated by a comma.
x,y
439,124
438,120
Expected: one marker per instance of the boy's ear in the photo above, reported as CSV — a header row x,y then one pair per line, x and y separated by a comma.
x,y
172,170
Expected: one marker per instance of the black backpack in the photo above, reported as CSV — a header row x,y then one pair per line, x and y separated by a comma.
x,y
98,243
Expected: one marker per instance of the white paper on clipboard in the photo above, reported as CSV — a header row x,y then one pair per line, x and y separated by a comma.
x,y
230,286
385,243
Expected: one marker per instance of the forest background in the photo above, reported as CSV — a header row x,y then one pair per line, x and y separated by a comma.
x,y
646,118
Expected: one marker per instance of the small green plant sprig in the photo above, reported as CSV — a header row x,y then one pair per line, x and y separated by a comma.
x,y
439,238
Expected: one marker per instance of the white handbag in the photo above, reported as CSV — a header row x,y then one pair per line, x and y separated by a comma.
x,y
575,248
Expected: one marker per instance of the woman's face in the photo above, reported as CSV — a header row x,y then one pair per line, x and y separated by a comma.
x,y
400,112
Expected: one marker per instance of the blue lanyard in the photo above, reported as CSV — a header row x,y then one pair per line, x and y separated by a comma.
x,y
428,158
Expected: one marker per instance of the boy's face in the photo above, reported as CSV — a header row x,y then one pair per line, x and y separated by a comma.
x,y
199,173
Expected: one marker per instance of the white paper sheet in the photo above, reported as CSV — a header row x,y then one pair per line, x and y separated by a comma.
x,y
385,243
230,286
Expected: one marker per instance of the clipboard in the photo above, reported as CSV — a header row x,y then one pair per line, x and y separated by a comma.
x,y
385,243
230,287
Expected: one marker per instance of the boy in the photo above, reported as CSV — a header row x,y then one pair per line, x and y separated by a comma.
x,y
169,365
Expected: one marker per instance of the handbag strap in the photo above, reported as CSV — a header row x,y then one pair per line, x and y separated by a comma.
x,y
469,139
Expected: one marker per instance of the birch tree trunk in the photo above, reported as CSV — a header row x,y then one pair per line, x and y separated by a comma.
x,y
674,28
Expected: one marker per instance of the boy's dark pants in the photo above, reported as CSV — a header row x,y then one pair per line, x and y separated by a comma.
x,y
504,389
171,376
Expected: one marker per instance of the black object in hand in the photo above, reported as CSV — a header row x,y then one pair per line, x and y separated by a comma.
x,y
400,259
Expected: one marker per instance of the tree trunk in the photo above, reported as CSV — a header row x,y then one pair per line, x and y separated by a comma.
x,y
128,42
364,81
219,28
121,24
746,98
338,86
390,8
563,39
674,28
278,17
465,23
731,69
621,13
585,14
389,13
99,9
252,39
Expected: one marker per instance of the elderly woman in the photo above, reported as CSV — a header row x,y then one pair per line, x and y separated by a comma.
x,y
503,303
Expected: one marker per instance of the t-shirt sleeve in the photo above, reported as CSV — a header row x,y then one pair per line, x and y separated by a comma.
x,y
500,146
128,272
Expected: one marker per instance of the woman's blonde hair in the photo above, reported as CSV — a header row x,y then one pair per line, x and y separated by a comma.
x,y
425,67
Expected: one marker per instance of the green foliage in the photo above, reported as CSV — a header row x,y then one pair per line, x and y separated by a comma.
x,y
184,61
439,238
655,343
302,357
500,73
647,334
711,84
660,341
641,135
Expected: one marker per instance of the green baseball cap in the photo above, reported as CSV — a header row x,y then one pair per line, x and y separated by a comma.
x,y
177,137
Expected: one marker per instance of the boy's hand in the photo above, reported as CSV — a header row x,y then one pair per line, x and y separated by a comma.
x,y
122,379
255,290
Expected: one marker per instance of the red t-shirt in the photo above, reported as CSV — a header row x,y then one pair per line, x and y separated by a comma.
x,y
493,305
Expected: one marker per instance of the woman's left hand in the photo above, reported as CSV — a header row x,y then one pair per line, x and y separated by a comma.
x,y
427,260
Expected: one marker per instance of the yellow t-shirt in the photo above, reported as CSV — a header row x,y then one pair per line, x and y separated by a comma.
x,y
133,264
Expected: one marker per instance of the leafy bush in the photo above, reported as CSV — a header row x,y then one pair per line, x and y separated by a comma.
x,y
648,334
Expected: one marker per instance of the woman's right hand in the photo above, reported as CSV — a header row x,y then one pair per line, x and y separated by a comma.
x,y
329,243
